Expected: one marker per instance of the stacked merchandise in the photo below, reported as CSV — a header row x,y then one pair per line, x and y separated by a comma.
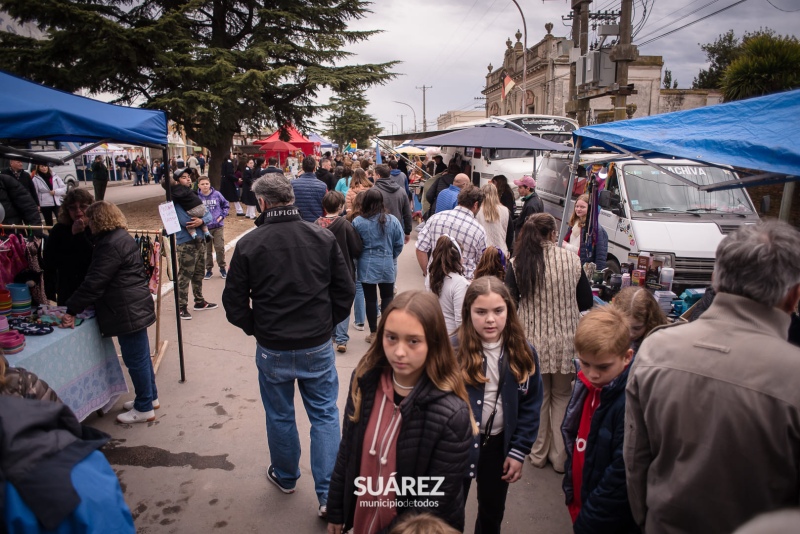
x,y
11,341
5,303
665,299
20,300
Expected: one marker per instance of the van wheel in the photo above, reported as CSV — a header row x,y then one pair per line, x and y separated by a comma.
x,y
71,185
613,265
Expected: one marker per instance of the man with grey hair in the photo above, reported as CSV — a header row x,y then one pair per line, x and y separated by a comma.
x,y
712,422
301,288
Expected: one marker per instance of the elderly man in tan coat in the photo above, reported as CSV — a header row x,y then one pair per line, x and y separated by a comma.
x,y
712,434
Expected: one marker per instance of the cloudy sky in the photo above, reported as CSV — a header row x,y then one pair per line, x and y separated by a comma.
x,y
447,44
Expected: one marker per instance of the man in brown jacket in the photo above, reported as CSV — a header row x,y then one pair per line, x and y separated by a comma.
x,y
712,421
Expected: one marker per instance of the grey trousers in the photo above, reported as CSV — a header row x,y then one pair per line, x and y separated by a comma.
x,y
217,245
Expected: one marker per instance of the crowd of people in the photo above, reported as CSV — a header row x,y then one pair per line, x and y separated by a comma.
x,y
499,356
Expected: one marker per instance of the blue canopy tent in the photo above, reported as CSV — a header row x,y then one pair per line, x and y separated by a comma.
x,y
757,135
323,143
30,111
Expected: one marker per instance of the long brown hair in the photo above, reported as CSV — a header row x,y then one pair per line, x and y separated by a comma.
x,y
360,179
470,345
440,363
574,218
492,263
529,265
356,208
639,305
445,259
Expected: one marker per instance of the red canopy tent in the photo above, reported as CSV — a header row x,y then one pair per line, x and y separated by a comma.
x,y
295,138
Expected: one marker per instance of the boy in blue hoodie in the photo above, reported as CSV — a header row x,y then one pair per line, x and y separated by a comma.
x,y
594,426
218,207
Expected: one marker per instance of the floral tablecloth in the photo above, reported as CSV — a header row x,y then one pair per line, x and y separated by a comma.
x,y
80,365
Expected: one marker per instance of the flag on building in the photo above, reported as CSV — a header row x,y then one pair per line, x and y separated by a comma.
x,y
508,85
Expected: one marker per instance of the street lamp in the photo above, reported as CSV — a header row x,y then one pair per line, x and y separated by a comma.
x,y
524,57
412,111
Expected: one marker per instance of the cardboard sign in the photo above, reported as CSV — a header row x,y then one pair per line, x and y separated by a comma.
x,y
169,217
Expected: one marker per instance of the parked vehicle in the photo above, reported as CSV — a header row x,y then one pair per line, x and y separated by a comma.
x,y
68,171
646,210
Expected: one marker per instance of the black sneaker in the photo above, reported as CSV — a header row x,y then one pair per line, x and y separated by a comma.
x,y
223,273
272,478
185,315
205,305
207,238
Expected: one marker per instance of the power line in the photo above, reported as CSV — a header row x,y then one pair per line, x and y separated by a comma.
x,y
682,17
784,10
691,23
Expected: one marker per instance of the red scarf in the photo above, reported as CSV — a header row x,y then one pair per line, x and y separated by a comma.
x,y
590,406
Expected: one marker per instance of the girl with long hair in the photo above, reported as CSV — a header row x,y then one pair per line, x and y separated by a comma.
x,y
505,193
492,263
496,220
643,313
576,240
358,183
501,371
551,289
407,416
382,238
50,190
446,280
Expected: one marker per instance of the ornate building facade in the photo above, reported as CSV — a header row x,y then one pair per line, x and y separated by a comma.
x,y
547,85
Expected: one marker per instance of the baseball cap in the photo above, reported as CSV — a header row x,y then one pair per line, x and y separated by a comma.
x,y
526,181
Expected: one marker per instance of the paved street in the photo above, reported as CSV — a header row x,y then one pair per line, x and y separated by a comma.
x,y
202,465
123,192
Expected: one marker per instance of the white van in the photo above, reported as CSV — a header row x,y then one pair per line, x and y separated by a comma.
x,y
68,172
646,210
513,164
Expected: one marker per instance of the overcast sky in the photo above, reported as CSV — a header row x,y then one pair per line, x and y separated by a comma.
x,y
447,44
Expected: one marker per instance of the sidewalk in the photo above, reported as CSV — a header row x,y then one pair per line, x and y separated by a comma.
x,y
201,466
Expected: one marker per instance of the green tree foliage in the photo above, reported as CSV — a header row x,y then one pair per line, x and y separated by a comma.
x,y
217,66
767,64
349,119
720,54
669,83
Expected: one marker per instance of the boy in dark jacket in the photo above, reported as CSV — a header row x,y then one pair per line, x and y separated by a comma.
x,y
350,245
594,426
183,195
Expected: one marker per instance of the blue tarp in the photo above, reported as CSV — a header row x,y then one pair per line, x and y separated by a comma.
x,y
759,133
32,111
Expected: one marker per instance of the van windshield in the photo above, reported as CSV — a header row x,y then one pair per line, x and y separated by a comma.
x,y
650,190
503,153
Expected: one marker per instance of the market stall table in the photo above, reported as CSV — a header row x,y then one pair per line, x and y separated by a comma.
x,y
80,365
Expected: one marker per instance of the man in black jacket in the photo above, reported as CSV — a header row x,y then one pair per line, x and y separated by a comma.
x,y
17,203
531,201
394,199
273,166
300,287
325,175
17,169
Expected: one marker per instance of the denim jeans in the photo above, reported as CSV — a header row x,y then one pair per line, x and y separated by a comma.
x,y
340,335
359,309
135,349
314,370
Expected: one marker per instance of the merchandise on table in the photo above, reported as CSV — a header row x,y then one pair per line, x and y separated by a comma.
x,y
12,342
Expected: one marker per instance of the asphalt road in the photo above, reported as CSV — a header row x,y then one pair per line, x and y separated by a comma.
x,y
124,192
201,466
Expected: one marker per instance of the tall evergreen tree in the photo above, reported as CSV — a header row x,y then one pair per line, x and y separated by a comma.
x,y
349,119
217,66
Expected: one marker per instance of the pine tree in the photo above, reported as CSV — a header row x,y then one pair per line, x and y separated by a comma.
x,y
215,66
349,119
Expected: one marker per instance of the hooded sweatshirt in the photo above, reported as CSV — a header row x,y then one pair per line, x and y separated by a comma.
x,y
396,202
400,178
216,205
590,406
379,461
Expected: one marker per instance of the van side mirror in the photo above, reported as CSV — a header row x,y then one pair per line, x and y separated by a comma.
x,y
765,201
610,201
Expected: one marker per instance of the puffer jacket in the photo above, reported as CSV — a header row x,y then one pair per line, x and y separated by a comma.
x,y
308,193
117,286
434,440
43,190
604,496
19,205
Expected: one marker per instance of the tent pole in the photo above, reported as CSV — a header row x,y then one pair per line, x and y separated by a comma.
x,y
568,194
174,257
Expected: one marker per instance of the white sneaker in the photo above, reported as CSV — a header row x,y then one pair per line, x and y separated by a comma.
x,y
129,405
135,416
358,326
323,511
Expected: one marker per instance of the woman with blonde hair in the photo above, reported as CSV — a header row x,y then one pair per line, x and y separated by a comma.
x,y
643,313
358,183
116,284
496,220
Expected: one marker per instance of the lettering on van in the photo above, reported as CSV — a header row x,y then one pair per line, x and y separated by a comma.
x,y
687,171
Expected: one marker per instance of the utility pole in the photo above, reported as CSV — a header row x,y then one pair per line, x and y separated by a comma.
x,y
424,121
402,130
524,58
623,53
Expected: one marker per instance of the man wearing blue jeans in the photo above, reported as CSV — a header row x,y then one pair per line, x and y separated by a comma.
x,y
296,303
